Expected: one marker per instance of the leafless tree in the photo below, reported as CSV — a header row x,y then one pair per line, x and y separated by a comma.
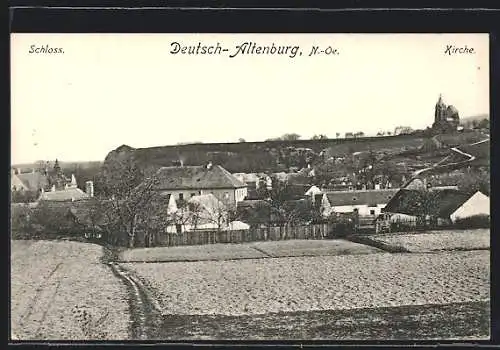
x,y
128,193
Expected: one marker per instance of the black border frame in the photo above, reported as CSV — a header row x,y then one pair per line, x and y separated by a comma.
x,y
30,16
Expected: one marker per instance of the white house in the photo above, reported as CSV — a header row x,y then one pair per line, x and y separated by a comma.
x,y
203,212
445,204
366,202
313,193
477,204
184,182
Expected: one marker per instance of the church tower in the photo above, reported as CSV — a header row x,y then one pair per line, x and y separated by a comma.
x,y
440,111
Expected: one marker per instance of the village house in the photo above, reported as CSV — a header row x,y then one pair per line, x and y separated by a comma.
x,y
312,192
70,192
367,203
437,206
202,212
184,182
255,180
29,181
403,130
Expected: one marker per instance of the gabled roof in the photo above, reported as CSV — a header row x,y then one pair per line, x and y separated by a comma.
x,y
69,194
406,201
446,202
86,212
365,197
439,203
16,183
247,177
313,190
34,181
207,202
196,177
210,209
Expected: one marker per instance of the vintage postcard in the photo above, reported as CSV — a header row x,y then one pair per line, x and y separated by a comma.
x,y
250,187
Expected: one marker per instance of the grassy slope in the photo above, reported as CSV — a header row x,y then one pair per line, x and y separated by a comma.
x,y
452,321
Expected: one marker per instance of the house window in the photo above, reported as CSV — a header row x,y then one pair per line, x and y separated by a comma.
x,y
181,196
372,211
193,194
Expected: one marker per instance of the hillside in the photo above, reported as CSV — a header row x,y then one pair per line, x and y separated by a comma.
x,y
477,117
269,155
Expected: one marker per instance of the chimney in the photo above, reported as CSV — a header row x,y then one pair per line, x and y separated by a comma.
x,y
53,189
89,188
209,165
181,162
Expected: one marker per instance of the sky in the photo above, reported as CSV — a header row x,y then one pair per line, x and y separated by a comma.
x,y
106,90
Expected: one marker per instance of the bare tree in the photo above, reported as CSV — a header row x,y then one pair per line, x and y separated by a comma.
x,y
122,183
214,212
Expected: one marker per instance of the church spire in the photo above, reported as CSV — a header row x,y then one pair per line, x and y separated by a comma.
x,y
440,100
57,167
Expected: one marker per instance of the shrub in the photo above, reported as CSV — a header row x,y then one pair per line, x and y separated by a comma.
x,y
476,221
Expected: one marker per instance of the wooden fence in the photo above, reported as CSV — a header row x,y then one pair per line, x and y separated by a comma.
x,y
316,231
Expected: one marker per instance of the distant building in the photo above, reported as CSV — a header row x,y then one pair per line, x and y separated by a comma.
x,y
313,191
439,205
403,130
446,118
184,182
31,181
365,202
69,194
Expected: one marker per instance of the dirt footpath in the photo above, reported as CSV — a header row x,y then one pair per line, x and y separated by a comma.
x,y
62,290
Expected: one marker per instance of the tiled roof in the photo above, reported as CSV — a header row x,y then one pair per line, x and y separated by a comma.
x,y
365,197
246,178
445,202
406,201
439,203
87,212
196,177
69,194
17,184
33,181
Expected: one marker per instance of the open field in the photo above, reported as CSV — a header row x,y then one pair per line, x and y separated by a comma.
x,y
436,241
259,286
246,251
191,253
62,290
313,248
469,320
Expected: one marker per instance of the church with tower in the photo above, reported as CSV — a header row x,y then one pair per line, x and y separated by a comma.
x,y
446,118
58,181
